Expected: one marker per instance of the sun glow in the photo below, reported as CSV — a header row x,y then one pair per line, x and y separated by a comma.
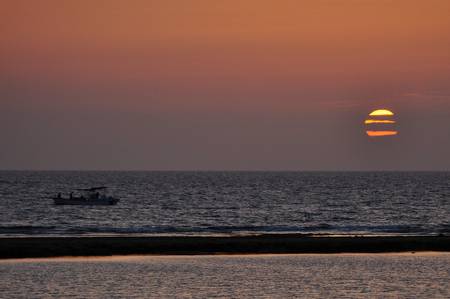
x,y
381,112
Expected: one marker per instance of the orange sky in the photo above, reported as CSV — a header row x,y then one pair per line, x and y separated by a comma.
x,y
307,68
246,42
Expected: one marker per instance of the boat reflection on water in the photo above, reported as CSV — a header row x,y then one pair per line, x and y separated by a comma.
x,y
90,196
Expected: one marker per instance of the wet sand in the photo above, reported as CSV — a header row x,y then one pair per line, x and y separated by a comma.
x,y
189,245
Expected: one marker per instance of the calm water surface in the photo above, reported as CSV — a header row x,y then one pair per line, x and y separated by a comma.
x,y
284,276
229,202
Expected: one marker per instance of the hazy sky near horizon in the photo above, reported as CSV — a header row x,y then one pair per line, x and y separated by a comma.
x,y
232,85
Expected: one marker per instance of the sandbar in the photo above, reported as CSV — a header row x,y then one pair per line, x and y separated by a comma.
x,y
34,247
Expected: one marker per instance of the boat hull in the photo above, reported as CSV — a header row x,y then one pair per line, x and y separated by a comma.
x,y
85,202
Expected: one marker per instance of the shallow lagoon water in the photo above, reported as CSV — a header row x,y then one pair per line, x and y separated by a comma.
x,y
407,275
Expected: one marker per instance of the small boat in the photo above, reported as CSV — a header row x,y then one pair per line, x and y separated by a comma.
x,y
96,196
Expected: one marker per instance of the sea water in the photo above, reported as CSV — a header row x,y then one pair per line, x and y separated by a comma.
x,y
211,203
423,275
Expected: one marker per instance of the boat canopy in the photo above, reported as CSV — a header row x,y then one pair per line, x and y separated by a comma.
x,y
93,189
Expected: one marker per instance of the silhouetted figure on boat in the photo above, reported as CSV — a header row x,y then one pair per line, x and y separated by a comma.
x,y
89,196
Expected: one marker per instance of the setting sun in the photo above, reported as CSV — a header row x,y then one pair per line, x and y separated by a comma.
x,y
380,123
375,121
381,112
381,133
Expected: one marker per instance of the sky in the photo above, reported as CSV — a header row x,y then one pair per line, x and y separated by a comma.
x,y
223,85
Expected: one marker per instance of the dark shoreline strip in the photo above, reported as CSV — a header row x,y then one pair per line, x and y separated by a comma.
x,y
187,245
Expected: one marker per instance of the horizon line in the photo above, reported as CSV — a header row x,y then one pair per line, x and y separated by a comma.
x,y
224,170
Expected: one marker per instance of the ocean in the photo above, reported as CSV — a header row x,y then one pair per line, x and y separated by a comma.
x,y
423,275
221,203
